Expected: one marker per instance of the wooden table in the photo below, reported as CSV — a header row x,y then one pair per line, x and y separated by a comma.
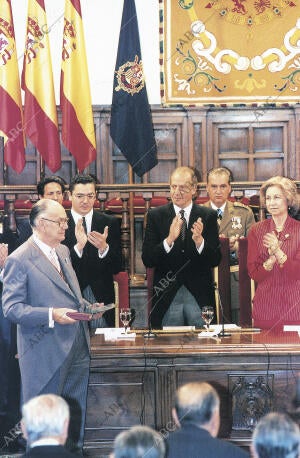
x,y
134,381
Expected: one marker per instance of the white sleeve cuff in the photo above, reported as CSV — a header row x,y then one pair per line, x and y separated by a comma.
x,y
200,249
51,321
167,247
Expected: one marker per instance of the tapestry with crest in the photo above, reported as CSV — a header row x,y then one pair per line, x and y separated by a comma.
x,y
231,52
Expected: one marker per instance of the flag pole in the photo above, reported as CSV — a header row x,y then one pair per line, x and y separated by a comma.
x,y
131,223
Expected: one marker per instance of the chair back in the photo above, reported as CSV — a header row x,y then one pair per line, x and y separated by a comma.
x,y
245,285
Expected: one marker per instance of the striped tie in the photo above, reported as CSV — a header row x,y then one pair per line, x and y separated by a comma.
x,y
219,213
54,260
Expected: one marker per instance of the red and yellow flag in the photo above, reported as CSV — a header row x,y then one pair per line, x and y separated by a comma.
x,y
78,133
40,117
11,125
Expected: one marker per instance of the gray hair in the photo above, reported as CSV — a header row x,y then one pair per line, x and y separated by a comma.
x,y
196,403
45,416
276,436
289,189
139,442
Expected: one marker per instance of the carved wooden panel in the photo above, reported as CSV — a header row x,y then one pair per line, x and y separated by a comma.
x,y
255,143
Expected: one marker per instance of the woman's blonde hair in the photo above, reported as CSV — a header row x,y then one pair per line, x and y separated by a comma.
x,y
289,189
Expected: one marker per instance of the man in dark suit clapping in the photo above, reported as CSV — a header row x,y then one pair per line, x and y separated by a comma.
x,y
182,243
94,240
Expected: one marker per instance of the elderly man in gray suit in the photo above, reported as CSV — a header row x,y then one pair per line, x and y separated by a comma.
x,y
40,290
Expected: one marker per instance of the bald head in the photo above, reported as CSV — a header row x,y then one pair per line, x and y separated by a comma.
x,y
49,221
197,403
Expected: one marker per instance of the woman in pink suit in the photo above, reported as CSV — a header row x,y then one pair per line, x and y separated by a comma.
x,y
274,257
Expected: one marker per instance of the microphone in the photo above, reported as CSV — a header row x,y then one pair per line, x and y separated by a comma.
x,y
150,334
222,333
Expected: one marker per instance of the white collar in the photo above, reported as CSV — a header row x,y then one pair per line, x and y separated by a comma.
x,y
214,207
88,218
45,441
46,249
187,210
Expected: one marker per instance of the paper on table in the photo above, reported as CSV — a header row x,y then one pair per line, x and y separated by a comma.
x,y
115,333
213,331
291,327
227,327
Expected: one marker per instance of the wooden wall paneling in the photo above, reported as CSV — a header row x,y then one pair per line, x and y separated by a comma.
x,y
170,127
253,144
105,165
197,137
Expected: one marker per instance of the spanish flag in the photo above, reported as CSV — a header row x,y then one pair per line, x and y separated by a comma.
x,y
78,132
40,117
11,124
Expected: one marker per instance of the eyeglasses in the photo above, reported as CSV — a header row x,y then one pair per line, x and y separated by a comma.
x,y
61,222
89,196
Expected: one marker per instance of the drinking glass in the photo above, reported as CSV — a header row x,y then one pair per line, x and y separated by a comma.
x,y
207,314
125,317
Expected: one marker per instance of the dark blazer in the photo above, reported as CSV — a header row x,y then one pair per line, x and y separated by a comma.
x,y
48,451
183,265
92,270
191,441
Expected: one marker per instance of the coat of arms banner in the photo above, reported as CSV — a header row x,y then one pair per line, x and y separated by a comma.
x,y
230,52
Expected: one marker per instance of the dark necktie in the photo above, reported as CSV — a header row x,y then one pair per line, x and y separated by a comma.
x,y
84,224
219,213
183,226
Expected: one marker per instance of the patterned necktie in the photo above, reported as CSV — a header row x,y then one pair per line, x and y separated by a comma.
x,y
54,260
84,224
183,226
219,213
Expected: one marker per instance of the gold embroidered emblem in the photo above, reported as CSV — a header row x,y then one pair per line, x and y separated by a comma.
x,y
130,77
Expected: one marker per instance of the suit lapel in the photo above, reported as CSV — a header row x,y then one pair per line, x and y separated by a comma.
x,y
68,271
44,265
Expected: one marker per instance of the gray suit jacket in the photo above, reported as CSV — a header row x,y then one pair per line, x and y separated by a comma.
x,y
31,285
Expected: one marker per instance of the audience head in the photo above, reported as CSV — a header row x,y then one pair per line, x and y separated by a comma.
x,y
218,185
183,186
286,187
49,221
52,187
45,416
83,193
198,404
276,436
139,442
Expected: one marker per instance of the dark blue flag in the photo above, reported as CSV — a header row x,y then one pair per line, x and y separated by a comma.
x,y
131,123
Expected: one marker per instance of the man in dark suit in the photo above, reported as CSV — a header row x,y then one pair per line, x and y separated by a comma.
x,y
40,289
182,243
94,241
45,426
276,435
197,415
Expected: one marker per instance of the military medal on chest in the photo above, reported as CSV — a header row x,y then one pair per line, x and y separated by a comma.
x,y
236,222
